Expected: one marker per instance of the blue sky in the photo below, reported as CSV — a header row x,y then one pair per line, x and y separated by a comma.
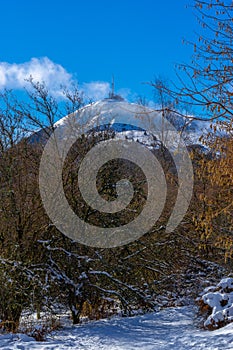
x,y
65,40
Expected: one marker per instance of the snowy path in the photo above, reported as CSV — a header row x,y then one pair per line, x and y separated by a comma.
x,y
169,329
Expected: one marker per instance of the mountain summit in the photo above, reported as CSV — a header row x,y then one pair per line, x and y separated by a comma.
x,y
127,120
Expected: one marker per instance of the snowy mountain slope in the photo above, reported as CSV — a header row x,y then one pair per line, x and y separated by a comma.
x,y
127,120
168,329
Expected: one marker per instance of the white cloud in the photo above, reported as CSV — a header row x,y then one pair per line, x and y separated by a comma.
x,y
96,90
13,75
43,70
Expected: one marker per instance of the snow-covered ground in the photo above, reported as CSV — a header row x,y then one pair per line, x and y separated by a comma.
x,y
220,300
169,329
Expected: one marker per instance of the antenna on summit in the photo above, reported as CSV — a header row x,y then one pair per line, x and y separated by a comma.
x,y
113,86
112,93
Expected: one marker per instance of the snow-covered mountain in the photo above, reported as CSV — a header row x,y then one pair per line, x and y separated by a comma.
x,y
127,121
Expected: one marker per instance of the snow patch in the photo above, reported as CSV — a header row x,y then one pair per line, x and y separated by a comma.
x,y
220,301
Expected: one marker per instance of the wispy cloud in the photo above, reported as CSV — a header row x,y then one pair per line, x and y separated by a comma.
x,y
96,90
